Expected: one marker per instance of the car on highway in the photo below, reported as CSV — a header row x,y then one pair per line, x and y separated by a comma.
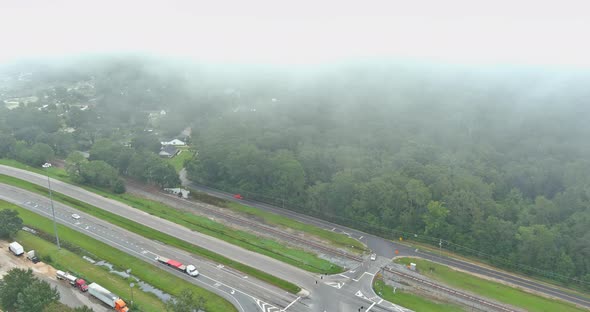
x,y
238,196
76,216
373,257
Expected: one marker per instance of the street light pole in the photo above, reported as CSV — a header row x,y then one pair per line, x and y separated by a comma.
x,y
47,165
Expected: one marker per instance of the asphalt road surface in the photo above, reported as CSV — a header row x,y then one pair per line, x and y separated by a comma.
x,y
321,297
387,248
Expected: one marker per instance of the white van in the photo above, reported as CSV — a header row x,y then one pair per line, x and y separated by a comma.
x,y
16,248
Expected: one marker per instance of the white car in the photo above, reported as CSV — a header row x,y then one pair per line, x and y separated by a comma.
x,y
373,257
76,216
192,270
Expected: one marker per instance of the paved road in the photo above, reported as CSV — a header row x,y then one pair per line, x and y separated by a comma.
x,y
246,293
321,298
386,248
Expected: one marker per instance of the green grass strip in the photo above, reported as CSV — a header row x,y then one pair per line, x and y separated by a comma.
x,y
489,289
297,257
411,301
151,233
336,239
148,273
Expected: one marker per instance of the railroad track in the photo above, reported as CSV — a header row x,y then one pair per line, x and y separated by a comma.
x,y
463,295
259,226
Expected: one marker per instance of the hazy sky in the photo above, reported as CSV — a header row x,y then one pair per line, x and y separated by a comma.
x,y
304,31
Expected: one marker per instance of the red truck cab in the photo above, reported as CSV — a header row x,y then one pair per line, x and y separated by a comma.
x,y
238,196
81,284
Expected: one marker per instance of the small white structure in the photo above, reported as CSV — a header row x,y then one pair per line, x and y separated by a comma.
x,y
413,266
16,248
175,142
176,191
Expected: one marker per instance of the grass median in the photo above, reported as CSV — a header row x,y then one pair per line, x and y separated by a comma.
x,y
489,289
65,259
411,301
294,256
151,233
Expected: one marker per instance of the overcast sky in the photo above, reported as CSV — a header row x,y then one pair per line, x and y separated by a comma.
x,y
542,32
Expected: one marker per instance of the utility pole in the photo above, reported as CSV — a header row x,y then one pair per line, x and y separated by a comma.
x,y
47,165
440,247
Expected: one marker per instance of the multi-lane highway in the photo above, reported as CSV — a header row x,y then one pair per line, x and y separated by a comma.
x,y
387,248
318,295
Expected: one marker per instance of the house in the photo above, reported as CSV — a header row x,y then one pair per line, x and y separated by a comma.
x,y
168,151
175,142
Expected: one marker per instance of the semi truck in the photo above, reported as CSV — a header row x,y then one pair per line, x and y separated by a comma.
x,y
188,269
74,281
107,297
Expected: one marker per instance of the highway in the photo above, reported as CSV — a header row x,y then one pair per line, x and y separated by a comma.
x,y
318,295
386,248
247,294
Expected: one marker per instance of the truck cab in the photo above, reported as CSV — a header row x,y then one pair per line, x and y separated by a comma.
x,y
81,285
121,306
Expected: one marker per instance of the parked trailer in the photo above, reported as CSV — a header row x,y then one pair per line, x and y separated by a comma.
x,y
107,297
188,269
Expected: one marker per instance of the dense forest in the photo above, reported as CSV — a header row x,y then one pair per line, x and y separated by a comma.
x,y
493,161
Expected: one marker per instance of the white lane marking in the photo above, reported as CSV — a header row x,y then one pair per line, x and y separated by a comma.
x,y
371,306
358,279
133,251
361,237
335,285
344,276
290,304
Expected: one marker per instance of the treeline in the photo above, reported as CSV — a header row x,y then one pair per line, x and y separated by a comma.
x,y
494,164
21,291
35,135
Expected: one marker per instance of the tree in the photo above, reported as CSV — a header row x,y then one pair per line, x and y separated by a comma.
x,y
146,142
13,283
10,223
186,302
36,296
74,164
435,220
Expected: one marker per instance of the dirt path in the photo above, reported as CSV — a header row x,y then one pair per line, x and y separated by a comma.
x,y
69,295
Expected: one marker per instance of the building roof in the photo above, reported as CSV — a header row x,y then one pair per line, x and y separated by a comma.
x,y
169,149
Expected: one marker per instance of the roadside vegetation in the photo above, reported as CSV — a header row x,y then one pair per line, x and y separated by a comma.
x,y
151,233
411,301
336,239
178,161
65,259
269,247
489,289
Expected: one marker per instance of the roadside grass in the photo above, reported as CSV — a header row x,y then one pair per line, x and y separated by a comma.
x,y
411,301
68,260
489,289
178,160
336,239
269,218
297,257
569,288
269,247
151,233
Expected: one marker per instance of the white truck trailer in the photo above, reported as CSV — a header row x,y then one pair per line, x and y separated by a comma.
x,y
107,297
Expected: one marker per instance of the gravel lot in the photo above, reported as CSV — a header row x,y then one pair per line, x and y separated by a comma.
x,y
69,295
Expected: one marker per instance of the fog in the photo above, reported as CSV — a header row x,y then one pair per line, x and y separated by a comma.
x,y
303,32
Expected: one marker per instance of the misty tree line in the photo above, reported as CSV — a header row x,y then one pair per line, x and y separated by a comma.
x,y
489,160
495,166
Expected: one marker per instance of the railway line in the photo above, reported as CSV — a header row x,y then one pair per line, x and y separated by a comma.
x,y
453,292
261,227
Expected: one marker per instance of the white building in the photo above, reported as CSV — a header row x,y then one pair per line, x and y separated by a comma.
x,y
175,142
